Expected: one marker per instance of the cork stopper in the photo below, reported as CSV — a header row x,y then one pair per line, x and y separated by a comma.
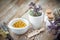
x,y
48,11
49,14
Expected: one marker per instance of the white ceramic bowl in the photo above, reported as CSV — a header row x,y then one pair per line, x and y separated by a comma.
x,y
36,21
18,30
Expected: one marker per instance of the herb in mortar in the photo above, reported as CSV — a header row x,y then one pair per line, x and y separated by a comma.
x,y
35,9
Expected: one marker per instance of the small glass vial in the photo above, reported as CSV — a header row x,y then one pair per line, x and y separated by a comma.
x,y
50,21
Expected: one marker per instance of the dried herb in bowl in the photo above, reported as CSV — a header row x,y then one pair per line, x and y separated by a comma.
x,y
19,24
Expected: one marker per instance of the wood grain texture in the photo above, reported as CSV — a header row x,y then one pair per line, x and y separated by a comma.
x,y
8,7
13,9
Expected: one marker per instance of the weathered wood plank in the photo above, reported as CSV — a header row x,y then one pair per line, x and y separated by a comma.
x,y
13,12
18,10
7,8
42,36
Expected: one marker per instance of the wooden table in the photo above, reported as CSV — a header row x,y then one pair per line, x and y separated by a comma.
x,y
14,11
41,36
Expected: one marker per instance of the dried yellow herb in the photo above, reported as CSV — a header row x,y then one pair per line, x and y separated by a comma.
x,y
19,24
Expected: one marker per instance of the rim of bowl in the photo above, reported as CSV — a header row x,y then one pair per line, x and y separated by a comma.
x,y
15,19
